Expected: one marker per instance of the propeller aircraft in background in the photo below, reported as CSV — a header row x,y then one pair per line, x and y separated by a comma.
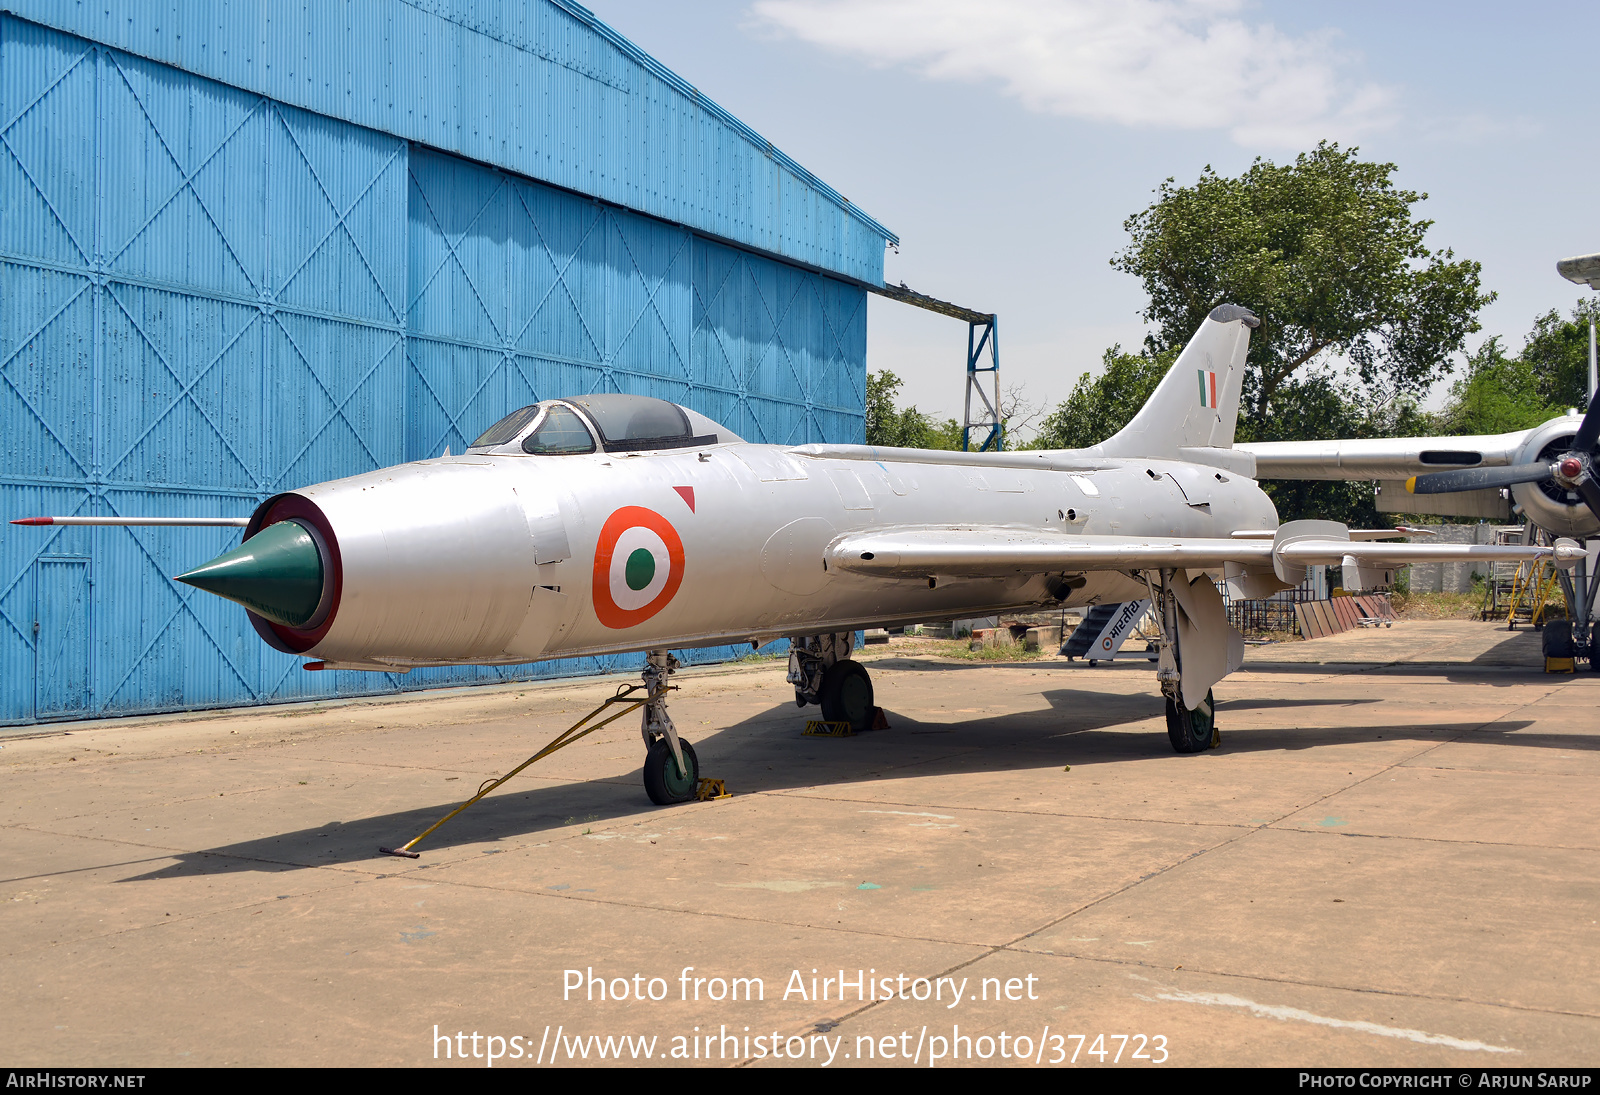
x,y
1548,474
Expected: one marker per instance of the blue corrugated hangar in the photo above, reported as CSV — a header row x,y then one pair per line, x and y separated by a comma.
x,y
249,246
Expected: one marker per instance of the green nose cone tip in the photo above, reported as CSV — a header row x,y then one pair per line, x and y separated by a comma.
x,y
277,574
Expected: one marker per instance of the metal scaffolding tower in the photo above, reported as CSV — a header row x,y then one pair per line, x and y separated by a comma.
x,y
982,421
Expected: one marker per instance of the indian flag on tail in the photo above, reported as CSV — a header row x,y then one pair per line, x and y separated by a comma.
x,y
1208,388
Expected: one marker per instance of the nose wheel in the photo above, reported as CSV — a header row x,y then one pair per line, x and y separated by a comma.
x,y
664,781
671,770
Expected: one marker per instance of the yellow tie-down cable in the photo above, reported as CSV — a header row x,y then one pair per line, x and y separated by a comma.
x,y
577,730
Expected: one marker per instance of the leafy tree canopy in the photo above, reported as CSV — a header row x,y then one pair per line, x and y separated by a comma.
x,y
1326,251
904,428
1101,405
1498,394
1557,351
1501,393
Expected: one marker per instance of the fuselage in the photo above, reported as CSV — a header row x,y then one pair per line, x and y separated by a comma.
x,y
495,558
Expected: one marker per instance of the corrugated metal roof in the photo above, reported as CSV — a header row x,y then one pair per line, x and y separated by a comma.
x,y
539,87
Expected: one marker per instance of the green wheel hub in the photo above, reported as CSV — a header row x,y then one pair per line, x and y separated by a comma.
x,y
664,781
679,784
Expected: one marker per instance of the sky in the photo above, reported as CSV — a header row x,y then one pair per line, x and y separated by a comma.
x,y
1006,142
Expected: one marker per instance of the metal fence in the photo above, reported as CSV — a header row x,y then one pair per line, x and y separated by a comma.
x,y
1275,613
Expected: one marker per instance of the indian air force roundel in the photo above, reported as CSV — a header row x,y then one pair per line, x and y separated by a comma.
x,y
638,566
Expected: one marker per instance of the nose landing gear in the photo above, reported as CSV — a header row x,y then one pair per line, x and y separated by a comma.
x,y
671,770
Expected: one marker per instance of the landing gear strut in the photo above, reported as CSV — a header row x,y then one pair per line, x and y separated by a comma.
x,y
671,770
822,672
1577,635
1190,730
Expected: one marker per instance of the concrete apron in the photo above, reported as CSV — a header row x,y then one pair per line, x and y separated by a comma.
x,y
1389,861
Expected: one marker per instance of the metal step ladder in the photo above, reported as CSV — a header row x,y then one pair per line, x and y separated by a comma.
x,y
1502,582
1533,587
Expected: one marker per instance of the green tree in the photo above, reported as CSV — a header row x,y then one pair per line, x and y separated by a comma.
x,y
886,424
1326,251
907,428
1319,405
1101,405
1557,353
1498,394
944,435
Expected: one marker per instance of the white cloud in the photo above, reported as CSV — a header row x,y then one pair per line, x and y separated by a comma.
x,y
1188,64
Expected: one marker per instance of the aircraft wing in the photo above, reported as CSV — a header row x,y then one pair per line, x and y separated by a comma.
x,y
970,551
1382,457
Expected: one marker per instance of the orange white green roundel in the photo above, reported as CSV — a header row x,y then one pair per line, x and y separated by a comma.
x,y
638,567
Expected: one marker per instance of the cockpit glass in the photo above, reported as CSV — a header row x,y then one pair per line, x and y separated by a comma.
x,y
561,432
508,427
628,419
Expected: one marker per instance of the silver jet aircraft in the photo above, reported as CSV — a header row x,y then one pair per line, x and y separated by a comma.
x,y
614,523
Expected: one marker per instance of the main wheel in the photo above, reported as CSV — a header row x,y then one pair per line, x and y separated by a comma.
x,y
1557,639
847,695
662,781
1191,731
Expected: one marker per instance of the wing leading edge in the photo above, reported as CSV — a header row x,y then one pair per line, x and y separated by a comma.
x,y
968,551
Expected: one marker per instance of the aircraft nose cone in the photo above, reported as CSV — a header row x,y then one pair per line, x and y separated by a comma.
x,y
277,574
1571,467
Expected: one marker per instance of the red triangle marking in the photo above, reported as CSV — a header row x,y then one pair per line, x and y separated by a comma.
x,y
688,496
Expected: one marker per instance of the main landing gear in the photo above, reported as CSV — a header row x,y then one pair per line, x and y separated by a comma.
x,y
671,770
822,672
1189,729
1192,731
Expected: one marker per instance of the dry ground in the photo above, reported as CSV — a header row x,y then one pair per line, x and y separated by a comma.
x,y
1392,859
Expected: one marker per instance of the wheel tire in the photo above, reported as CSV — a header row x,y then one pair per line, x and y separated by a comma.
x,y
847,695
1594,647
1191,731
662,781
1557,639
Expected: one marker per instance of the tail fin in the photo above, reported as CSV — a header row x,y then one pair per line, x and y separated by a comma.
x,y
1196,405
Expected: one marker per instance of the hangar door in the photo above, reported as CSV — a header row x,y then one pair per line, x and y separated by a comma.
x,y
61,637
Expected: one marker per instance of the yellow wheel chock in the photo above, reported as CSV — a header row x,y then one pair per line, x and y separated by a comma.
x,y
817,728
709,790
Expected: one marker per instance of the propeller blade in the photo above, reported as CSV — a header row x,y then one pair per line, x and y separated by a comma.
x,y
1591,493
1448,482
1589,428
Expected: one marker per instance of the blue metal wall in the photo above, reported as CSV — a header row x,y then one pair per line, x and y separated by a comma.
x,y
538,87
208,296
